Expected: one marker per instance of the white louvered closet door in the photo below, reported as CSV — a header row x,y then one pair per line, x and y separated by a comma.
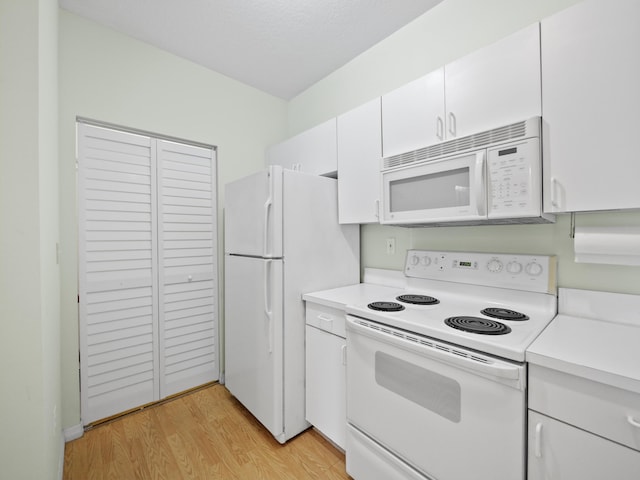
x,y
186,251
147,269
117,272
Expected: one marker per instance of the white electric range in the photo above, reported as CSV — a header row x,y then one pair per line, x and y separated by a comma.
x,y
436,379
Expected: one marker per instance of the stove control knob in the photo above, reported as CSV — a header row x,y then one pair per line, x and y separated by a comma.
x,y
415,260
514,267
426,261
494,265
534,269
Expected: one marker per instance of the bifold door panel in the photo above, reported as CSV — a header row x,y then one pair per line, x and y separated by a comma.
x,y
147,269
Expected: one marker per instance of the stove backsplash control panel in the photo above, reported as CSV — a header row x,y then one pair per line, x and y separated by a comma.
x,y
533,273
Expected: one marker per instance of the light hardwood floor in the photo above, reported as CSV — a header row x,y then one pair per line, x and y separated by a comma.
x,y
206,434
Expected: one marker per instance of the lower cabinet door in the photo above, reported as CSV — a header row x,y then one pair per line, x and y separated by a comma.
x,y
325,384
558,451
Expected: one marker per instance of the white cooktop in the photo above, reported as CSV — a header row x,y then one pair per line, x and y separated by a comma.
x,y
596,335
467,300
464,284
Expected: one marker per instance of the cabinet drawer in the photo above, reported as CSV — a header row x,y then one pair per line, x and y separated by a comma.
x,y
329,319
598,408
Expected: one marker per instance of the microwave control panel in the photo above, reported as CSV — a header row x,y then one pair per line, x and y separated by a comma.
x,y
514,184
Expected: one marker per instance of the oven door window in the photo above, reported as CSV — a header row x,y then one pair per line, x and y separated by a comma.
x,y
445,190
424,387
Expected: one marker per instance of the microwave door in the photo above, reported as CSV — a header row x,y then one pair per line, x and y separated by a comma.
x,y
447,190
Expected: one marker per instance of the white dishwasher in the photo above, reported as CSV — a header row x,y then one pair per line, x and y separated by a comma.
x,y
584,390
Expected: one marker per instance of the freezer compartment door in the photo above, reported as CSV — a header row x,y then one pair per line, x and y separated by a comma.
x,y
253,214
253,337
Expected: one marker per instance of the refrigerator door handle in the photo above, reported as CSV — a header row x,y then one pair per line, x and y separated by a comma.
x,y
267,306
267,207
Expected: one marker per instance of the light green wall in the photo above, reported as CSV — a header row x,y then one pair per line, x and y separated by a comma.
x,y
31,445
450,30
114,78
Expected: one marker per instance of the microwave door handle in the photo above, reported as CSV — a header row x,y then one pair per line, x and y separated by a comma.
x,y
479,188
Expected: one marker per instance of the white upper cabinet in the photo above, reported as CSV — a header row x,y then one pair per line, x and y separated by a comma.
x,y
591,100
413,115
359,157
491,87
494,86
313,151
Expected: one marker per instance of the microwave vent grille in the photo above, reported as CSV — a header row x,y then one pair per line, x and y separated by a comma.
x,y
478,140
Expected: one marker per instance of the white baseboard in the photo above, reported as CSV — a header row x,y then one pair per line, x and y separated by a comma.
x,y
61,457
73,432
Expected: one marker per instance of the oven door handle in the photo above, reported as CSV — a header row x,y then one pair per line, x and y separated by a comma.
x,y
438,351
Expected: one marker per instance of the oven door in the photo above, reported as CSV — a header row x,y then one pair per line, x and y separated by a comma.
x,y
446,412
451,189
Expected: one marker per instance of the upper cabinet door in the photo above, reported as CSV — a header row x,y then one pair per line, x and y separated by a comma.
x,y
413,115
359,158
591,100
494,86
491,87
313,151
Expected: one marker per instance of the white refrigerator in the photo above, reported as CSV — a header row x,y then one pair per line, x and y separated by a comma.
x,y
282,239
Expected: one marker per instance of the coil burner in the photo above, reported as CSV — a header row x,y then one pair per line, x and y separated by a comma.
x,y
479,325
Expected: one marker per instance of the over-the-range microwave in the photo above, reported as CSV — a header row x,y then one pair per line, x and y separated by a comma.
x,y
493,177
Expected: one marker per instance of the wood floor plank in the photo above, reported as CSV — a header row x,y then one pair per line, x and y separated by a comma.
x,y
206,434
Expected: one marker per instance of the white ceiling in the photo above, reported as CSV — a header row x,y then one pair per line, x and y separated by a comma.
x,y
281,47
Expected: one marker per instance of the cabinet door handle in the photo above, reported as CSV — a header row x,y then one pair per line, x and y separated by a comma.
x,y
554,192
632,421
344,355
440,128
538,442
452,124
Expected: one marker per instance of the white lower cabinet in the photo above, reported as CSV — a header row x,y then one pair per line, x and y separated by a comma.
x,y
325,372
558,451
580,429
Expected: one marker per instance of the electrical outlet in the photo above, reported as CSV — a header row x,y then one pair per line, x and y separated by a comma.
x,y
391,246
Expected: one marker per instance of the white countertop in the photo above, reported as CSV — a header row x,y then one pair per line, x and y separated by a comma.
x,y
377,284
600,349
361,293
